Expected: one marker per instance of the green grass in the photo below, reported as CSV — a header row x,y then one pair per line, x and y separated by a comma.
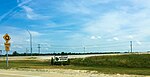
x,y
122,64
129,61
23,64
30,64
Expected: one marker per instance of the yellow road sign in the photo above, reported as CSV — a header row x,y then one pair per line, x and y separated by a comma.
x,y
6,37
7,46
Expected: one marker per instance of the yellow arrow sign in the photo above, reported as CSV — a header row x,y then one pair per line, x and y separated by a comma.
x,y
6,37
7,46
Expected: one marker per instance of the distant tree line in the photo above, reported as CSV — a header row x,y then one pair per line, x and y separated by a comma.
x,y
15,53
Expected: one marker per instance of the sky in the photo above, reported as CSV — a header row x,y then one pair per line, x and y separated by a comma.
x,y
71,25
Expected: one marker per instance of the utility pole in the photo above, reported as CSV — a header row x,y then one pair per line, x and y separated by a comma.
x,y
27,51
84,49
131,46
39,48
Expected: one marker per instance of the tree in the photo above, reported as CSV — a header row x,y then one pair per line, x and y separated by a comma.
x,y
15,53
62,53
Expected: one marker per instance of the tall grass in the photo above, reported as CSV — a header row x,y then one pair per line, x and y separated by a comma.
x,y
23,64
130,61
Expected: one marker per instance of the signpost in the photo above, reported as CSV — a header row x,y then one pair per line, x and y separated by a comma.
x,y
7,46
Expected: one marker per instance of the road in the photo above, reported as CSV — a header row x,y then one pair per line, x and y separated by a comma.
x,y
55,73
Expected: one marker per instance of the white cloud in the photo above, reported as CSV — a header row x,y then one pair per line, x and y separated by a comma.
x,y
141,3
29,12
99,37
23,2
138,42
93,37
81,7
121,24
116,38
13,11
130,37
75,6
107,25
32,15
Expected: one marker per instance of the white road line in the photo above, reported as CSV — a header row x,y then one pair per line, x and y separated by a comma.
x,y
18,75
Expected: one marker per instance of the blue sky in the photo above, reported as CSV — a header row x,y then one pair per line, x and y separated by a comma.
x,y
100,25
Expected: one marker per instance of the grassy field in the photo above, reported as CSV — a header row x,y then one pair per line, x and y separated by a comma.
x,y
128,61
124,64
138,64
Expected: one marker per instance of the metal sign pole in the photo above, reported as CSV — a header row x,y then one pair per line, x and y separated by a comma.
x,y
7,58
7,45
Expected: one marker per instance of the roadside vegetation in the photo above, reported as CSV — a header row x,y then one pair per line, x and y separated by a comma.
x,y
138,64
128,61
124,64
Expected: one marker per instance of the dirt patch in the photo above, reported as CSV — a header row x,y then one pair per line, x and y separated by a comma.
x,y
61,72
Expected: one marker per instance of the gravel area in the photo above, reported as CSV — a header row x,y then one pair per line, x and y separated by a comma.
x,y
57,73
